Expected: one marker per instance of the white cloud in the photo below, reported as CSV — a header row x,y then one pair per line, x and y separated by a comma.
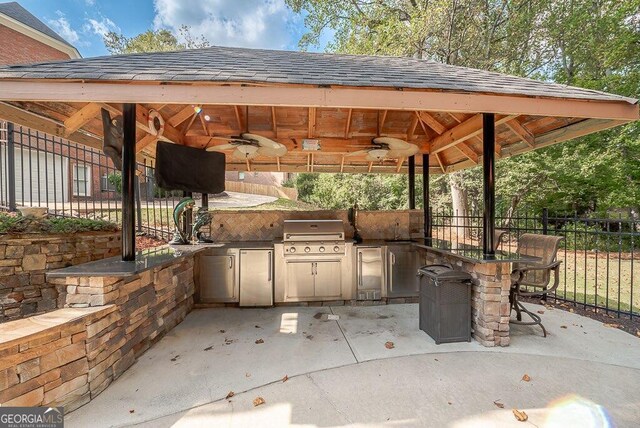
x,y
62,27
247,23
101,27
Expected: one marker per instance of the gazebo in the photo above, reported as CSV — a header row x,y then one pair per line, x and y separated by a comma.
x,y
320,106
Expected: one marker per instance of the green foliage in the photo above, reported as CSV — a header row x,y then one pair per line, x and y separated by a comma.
x,y
579,42
29,224
153,41
115,179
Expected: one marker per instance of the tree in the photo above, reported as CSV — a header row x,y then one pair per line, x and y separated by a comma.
x,y
589,43
153,41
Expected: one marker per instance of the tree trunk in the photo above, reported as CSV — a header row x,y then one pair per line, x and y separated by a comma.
x,y
460,221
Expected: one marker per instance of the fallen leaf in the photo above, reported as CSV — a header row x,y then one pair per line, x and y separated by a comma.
x,y
285,378
259,341
541,312
258,401
449,402
230,394
526,378
389,345
221,331
131,411
258,326
175,358
208,348
571,310
498,404
638,333
612,325
520,415
247,374
563,326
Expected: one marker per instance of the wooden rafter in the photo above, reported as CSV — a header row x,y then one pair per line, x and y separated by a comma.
x,y
461,132
342,164
312,122
431,122
239,119
274,124
468,152
412,127
184,114
204,124
370,167
81,117
382,120
399,164
278,163
442,166
516,127
348,125
189,124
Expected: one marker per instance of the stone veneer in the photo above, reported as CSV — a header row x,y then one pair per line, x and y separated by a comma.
x,y
24,258
232,226
68,356
489,296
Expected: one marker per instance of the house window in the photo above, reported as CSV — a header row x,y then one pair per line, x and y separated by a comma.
x,y
81,180
105,184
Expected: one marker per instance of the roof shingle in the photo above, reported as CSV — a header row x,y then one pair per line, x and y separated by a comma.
x,y
222,64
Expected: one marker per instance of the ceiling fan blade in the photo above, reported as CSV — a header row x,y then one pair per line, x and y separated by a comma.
x,y
225,138
393,143
221,147
358,153
409,151
237,154
262,141
273,152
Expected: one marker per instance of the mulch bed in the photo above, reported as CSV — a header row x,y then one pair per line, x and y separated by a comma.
x,y
145,241
622,322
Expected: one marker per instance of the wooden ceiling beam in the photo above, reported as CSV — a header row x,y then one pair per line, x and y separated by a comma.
x,y
468,152
23,117
412,127
521,132
239,119
382,119
274,121
348,125
463,131
431,122
81,117
178,118
312,122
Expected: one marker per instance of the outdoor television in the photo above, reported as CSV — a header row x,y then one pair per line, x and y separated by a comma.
x,y
189,169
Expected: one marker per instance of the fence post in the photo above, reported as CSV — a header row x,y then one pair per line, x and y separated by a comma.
x,y
545,221
11,167
138,202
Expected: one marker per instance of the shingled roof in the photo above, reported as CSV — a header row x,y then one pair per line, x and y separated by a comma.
x,y
15,11
226,64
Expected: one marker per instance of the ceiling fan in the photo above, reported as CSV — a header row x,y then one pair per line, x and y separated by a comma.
x,y
247,146
387,148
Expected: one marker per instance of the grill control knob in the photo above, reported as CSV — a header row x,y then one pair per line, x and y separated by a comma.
x,y
321,249
336,249
307,249
292,250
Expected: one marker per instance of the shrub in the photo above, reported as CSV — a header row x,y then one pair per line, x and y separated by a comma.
x,y
10,223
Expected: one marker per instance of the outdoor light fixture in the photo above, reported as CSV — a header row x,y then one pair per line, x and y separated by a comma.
x,y
207,117
197,109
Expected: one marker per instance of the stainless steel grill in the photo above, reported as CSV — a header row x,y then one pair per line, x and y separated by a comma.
x,y
313,237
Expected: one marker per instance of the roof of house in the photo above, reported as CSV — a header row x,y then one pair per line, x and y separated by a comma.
x,y
230,64
15,11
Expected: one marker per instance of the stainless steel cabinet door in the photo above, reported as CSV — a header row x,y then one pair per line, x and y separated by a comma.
x,y
328,276
370,268
300,279
217,278
403,266
256,278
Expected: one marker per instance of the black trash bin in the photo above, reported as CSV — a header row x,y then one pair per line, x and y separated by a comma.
x,y
445,303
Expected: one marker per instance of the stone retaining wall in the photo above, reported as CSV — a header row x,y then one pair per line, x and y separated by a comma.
x,y
71,361
24,259
489,297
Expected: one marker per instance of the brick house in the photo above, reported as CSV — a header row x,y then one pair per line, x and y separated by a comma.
x,y
48,169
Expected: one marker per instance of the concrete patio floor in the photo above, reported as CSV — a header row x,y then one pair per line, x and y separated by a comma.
x,y
340,373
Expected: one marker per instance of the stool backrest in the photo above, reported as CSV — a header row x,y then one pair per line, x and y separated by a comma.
x,y
544,247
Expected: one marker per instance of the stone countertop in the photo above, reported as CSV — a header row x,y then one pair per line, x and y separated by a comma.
x,y
471,253
148,259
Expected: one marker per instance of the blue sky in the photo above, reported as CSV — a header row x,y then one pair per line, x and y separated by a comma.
x,y
248,23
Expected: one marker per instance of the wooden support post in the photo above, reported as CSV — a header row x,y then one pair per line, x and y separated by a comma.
x,y
128,182
425,196
412,182
488,170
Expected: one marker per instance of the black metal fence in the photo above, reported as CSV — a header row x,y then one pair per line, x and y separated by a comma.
x,y
600,254
601,259
73,180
